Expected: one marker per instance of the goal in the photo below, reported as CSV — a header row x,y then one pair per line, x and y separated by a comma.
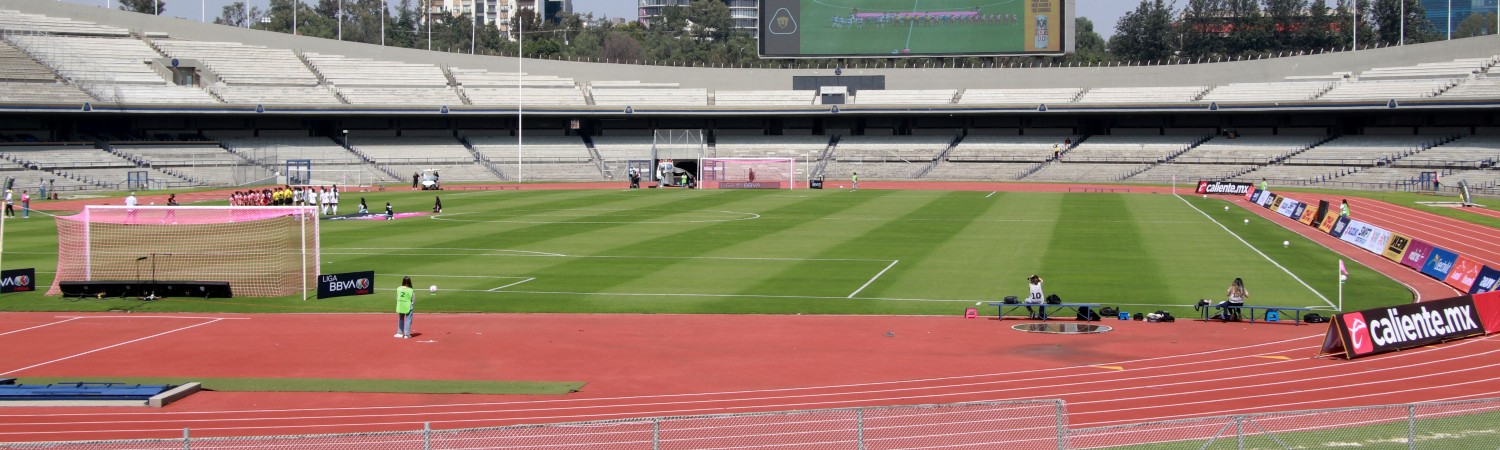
x,y
262,251
748,173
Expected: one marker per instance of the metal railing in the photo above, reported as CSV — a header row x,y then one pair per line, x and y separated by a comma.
x,y
1029,424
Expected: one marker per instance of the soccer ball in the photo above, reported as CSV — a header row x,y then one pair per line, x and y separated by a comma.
x,y
432,289
1286,243
1226,208
1247,221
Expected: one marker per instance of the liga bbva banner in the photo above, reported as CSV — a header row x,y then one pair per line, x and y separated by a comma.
x,y
1222,187
1375,331
17,280
341,284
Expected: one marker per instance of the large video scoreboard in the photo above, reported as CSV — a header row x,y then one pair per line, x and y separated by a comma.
x,y
914,28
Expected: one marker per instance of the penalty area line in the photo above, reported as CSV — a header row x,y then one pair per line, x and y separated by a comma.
x,y
1258,252
872,279
509,285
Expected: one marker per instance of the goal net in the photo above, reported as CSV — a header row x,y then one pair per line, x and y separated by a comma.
x,y
262,251
748,173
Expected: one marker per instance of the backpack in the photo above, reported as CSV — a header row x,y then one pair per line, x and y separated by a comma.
x,y
1314,318
1011,300
1087,314
1140,316
1054,299
1109,311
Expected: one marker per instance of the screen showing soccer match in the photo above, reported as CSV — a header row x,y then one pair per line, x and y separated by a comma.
x,y
913,28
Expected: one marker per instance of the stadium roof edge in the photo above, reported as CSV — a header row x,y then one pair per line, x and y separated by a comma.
x,y
1264,70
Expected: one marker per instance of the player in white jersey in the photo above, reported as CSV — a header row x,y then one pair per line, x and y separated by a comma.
x,y
335,201
1036,297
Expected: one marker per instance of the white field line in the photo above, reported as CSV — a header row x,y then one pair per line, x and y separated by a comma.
x,y
512,284
1258,252
100,349
992,194
872,279
39,326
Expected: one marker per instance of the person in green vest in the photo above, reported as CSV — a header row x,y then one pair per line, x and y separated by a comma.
x,y
1344,208
405,301
854,179
1262,184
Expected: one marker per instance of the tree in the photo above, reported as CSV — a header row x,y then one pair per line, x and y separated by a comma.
x,y
1478,24
1144,34
1285,20
1320,31
1248,31
526,20
710,19
1089,46
235,15
1202,28
1388,22
620,46
156,7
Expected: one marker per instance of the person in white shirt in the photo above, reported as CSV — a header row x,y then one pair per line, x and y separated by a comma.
x,y
1036,297
129,202
334,201
312,198
10,204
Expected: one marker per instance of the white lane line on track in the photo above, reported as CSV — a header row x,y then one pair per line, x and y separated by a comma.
x,y
100,349
1258,252
1085,371
39,326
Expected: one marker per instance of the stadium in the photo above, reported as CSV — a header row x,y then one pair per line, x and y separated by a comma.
x,y
778,302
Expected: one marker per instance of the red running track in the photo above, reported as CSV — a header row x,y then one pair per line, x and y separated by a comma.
x,y
671,365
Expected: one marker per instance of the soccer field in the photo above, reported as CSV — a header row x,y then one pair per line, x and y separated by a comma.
x,y
802,251
822,34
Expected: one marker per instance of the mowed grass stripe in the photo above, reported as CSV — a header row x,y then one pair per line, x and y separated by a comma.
x,y
1098,250
906,238
653,275
989,256
491,387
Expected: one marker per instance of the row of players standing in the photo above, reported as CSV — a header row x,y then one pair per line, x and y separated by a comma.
x,y
325,198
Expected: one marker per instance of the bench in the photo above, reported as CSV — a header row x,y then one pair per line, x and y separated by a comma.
x,y
1296,312
1045,307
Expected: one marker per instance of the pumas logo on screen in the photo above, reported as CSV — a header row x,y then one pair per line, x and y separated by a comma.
x,y
782,22
1359,333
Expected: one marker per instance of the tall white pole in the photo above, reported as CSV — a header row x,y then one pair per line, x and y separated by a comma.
x,y
1355,4
295,5
382,23
473,25
1450,20
520,88
341,20
203,11
427,16
1403,23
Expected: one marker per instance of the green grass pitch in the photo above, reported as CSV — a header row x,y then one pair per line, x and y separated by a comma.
x,y
784,252
820,37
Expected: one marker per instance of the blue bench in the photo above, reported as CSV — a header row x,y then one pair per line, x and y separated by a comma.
x,y
79,391
1048,310
1296,312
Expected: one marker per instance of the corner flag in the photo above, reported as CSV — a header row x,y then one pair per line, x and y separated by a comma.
x,y
1343,273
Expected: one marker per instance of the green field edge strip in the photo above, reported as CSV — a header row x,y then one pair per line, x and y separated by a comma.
x,y
385,386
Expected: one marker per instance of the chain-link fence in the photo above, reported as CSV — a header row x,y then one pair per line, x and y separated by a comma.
x,y
1039,424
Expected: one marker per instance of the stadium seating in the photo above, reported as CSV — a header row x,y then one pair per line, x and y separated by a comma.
x,y
550,149
370,82
1488,87
1116,149
1246,149
981,148
623,148
1383,176
413,150
22,80
1085,172
1362,150
498,88
1021,96
110,69
987,171
905,97
1174,94
1189,173
1470,151
36,23
769,146
1388,89
1458,68
839,171
632,93
765,98
275,151
890,148
246,74
1268,92
1290,175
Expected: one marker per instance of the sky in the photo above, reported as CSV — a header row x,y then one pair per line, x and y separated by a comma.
x,y
1104,13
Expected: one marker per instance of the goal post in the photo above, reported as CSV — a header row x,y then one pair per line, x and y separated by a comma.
x,y
748,173
262,251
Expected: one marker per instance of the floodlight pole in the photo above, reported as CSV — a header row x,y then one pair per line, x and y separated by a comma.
x,y
341,20
295,4
520,89
1403,23
1450,19
382,23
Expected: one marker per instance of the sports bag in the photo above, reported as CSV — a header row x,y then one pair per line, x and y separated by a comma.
x,y
1054,299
